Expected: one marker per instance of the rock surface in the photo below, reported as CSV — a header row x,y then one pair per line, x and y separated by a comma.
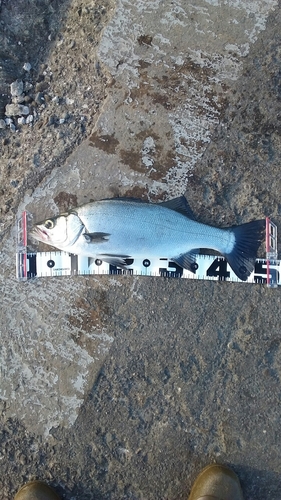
x,y
124,387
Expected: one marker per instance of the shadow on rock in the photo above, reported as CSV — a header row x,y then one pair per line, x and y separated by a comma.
x,y
257,483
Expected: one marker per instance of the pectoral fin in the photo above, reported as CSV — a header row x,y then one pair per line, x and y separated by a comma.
x,y
96,237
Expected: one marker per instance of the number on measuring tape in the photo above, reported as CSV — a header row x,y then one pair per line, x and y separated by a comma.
x,y
218,269
173,270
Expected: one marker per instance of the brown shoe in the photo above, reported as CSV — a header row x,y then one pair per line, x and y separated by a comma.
x,y
216,482
36,490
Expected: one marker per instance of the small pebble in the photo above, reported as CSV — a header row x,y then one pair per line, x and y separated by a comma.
x,y
36,160
29,119
2,124
16,110
27,66
28,86
39,98
21,120
18,99
41,86
51,121
16,88
60,135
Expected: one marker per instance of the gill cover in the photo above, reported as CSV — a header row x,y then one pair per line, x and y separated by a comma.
x,y
62,230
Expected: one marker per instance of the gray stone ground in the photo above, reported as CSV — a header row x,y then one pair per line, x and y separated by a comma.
x,y
125,387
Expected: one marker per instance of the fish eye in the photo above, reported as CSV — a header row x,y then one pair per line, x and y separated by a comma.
x,y
49,224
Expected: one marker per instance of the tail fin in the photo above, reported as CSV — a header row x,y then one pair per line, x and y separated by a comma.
x,y
248,239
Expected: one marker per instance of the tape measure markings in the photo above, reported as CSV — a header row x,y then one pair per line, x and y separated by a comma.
x,y
50,264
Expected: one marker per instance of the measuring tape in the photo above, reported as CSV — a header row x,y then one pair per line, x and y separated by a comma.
x,y
208,267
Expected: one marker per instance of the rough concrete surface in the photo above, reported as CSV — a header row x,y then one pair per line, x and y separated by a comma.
x,y
125,387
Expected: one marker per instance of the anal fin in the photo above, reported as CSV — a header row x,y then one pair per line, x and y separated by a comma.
x,y
187,260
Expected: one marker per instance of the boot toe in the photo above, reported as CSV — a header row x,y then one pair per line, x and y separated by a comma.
x,y
36,490
216,482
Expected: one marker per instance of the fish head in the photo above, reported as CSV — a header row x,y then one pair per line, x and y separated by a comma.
x,y
61,231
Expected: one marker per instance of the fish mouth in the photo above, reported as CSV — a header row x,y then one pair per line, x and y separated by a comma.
x,y
38,233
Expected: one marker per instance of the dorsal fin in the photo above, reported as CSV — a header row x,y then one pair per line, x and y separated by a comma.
x,y
179,205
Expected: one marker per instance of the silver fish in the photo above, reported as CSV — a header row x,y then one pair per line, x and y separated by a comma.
x,y
116,230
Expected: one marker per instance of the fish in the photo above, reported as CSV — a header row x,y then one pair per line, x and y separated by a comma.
x,y
119,230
